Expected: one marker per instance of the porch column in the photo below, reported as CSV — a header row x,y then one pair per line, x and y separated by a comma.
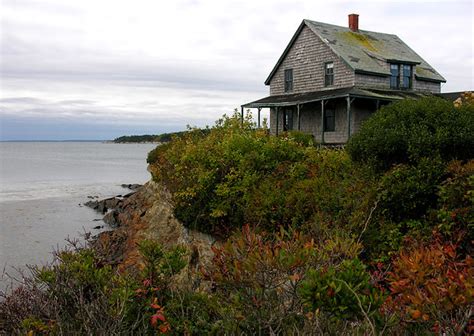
x,y
277,119
258,124
349,101
241,115
377,105
322,121
298,113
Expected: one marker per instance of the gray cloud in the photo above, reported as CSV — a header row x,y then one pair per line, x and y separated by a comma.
x,y
180,62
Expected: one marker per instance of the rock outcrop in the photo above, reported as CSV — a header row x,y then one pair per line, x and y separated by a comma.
x,y
148,214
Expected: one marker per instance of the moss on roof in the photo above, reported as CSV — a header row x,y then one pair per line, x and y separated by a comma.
x,y
367,51
423,72
357,38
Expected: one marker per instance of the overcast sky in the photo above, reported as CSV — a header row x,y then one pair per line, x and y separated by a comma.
x,y
98,69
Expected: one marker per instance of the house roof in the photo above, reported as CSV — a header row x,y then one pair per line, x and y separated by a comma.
x,y
365,51
308,97
451,95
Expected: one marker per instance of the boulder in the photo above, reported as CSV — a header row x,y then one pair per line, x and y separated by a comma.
x,y
104,205
92,204
112,203
111,218
134,186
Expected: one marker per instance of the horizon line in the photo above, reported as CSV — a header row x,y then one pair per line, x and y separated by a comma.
x,y
65,140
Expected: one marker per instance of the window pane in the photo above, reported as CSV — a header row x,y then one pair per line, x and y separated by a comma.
x,y
406,80
329,80
329,68
328,74
288,80
406,70
394,82
329,120
395,77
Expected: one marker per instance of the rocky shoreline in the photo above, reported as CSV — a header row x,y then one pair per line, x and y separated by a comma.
x,y
146,212
109,207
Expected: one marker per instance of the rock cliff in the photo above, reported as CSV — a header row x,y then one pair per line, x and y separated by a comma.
x,y
148,214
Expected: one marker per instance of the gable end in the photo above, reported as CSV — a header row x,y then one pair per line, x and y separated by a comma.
x,y
285,52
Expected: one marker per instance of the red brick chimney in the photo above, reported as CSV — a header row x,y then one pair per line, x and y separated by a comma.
x,y
354,22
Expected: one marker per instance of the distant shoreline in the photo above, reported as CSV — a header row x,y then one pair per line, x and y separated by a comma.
x,y
125,139
82,141
54,140
133,142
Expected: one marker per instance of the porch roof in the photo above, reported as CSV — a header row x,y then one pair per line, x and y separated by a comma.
x,y
308,97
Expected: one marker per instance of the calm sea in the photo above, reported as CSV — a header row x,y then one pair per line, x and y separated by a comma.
x,y
43,186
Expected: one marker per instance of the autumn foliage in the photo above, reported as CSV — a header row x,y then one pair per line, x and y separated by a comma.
x,y
433,284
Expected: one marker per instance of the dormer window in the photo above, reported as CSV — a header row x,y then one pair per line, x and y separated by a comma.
x,y
406,78
328,74
288,80
401,76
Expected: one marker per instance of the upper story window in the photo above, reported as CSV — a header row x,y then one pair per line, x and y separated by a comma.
x,y
328,74
407,76
395,76
401,76
288,80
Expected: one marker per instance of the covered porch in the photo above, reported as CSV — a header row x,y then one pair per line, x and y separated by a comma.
x,y
331,116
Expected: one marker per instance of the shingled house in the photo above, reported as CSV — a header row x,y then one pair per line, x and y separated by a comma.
x,y
331,78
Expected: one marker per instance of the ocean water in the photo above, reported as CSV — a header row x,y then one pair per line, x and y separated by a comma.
x,y
43,186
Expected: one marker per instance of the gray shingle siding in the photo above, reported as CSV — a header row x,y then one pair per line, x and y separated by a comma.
x,y
307,57
433,87
370,81
378,82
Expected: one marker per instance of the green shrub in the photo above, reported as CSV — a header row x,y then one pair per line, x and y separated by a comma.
x,y
408,192
194,313
80,268
343,291
73,296
81,295
238,175
154,154
454,214
302,138
415,200
212,178
146,310
159,262
408,130
35,326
